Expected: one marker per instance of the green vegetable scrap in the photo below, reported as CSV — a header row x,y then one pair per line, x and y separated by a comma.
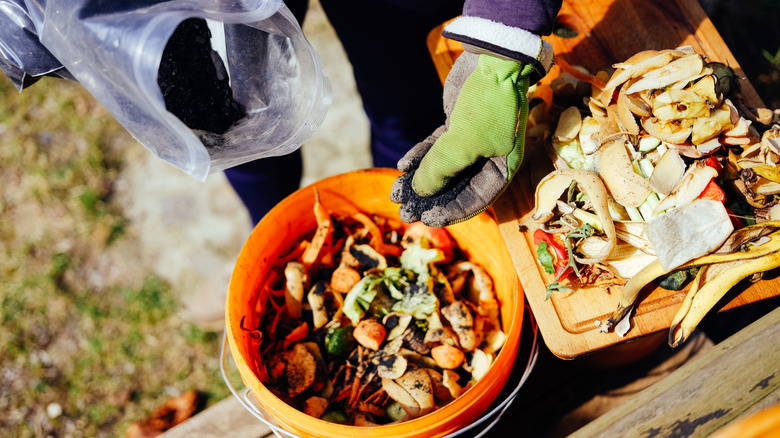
x,y
418,259
555,287
339,340
571,239
359,298
545,258
678,279
335,417
418,301
411,286
396,280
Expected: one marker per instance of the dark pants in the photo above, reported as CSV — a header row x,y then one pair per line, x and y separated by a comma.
x,y
396,79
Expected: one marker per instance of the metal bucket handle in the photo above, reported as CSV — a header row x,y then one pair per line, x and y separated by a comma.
x,y
247,399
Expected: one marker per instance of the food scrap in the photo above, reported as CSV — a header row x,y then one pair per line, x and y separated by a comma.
x,y
658,166
372,321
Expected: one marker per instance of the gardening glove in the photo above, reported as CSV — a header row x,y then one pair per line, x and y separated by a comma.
x,y
462,168
459,171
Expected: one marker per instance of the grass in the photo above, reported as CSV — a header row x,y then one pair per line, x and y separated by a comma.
x,y
108,350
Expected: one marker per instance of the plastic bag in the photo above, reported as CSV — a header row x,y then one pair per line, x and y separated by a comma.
x,y
265,75
22,56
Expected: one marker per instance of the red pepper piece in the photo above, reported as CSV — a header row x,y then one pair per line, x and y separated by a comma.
x,y
714,163
559,252
735,220
297,334
713,191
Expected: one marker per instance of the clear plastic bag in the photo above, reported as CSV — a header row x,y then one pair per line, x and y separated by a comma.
x,y
22,57
115,49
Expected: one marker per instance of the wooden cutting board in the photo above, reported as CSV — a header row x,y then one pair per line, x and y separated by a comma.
x,y
609,32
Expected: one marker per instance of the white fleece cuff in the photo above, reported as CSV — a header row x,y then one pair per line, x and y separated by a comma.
x,y
511,39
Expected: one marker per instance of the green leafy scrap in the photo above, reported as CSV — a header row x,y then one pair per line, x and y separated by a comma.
x,y
545,258
410,286
359,298
418,301
396,280
555,287
571,239
417,259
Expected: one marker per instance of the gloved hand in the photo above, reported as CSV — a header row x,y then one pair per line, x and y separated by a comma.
x,y
462,168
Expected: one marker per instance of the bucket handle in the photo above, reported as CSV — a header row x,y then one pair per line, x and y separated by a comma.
x,y
247,399
502,407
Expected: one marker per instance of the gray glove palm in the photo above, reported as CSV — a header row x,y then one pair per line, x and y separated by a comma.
x,y
458,171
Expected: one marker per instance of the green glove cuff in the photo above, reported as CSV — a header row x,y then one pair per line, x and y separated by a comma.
x,y
488,120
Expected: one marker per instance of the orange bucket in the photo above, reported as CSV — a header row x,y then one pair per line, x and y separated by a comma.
x,y
367,191
444,51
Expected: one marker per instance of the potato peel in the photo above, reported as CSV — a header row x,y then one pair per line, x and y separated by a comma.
x,y
554,184
680,69
626,186
569,124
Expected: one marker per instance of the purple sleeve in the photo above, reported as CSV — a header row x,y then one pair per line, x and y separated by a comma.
x,y
535,16
508,28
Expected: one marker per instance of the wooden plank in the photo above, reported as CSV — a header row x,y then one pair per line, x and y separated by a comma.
x,y
609,32
737,377
226,418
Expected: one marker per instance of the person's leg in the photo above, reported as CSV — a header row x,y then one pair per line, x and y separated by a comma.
x,y
385,42
261,184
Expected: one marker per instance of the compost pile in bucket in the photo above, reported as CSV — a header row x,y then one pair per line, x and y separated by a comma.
x,y
371,321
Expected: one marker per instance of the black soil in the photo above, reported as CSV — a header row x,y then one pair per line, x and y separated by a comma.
x,y
417,204
194,82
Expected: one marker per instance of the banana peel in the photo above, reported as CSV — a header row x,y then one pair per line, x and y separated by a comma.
x,y
712,291
703,295
703,275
